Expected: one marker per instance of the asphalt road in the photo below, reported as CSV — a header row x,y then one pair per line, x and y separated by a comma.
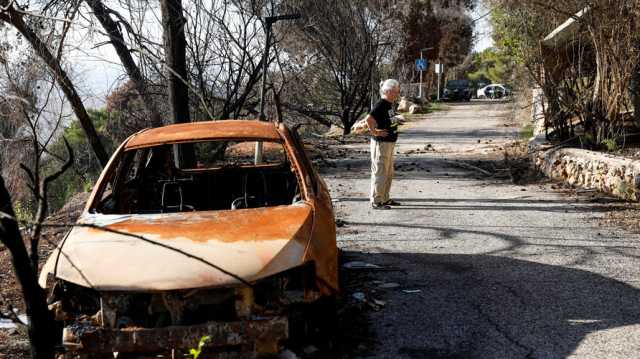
x,y
475,267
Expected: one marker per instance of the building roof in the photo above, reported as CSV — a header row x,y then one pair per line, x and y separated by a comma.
x,y
567,31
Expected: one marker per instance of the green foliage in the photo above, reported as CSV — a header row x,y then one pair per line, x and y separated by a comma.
x,y
587,140
626,191
610,144
517,32
23,211
195,353
435,107
86,169
491,66
526,132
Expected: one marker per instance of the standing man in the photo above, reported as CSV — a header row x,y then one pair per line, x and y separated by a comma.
x,y
384,134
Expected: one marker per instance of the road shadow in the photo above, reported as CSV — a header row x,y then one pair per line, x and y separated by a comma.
x,y
605,204
484,306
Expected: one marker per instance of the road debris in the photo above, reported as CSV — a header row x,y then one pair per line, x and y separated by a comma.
x,y
287,354
359,296
411,291
468,167
360,265
389,285
310,350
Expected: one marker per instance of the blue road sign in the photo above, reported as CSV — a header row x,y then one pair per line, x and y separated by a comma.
x,y
422,64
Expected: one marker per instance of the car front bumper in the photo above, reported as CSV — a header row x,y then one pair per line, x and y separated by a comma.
x,y
260,336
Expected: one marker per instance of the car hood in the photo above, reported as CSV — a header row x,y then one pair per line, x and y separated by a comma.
x,y
149,252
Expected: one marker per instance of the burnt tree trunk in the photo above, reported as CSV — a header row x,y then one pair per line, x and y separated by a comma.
x,y
635,95
117,40
41,323
173,23
15,18
347,120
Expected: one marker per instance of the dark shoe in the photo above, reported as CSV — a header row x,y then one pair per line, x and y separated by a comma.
x,y
379,206
393,203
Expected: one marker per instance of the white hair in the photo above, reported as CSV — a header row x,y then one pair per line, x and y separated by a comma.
x,y
388,85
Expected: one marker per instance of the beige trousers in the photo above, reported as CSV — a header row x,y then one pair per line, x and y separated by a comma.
x,y
381,170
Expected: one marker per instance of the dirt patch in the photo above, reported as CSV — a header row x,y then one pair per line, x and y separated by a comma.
x,y
627,218
13,344
514,164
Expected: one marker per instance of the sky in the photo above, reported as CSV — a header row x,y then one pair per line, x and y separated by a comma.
x,y
97,71
483,30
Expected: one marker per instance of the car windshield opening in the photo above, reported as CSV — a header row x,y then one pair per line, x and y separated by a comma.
x,y
199,176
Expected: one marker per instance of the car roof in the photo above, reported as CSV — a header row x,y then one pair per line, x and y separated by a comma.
x,y
205,131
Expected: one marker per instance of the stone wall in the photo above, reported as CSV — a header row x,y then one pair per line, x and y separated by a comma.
x,y
607,173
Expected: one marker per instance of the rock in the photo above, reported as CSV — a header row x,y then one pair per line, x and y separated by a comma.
x,y
407,106
359,296
310,350
287,354
403,105
335,131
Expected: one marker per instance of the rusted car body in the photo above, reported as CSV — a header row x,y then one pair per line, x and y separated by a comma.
x,y
168,252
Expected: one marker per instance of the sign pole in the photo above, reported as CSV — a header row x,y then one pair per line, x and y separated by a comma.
x,y
439,71
420,88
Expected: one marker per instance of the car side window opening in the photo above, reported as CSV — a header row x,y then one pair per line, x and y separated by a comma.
x,y
223,177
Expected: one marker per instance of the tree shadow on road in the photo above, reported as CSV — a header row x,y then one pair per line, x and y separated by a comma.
x,y
474,205
485,306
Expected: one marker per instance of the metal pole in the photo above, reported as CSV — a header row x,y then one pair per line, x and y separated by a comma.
x,y
439,66
420,87
265,64
265,61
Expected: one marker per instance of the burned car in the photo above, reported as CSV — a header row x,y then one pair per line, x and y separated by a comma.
x,y
187,235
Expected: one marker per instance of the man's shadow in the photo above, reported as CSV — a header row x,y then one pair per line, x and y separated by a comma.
x,y
484,306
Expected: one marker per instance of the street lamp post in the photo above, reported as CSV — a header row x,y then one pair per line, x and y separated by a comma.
x,y
422,58
268,22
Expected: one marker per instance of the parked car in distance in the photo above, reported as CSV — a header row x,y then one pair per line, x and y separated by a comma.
x,y
494,91
476,86
457,90
166,253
